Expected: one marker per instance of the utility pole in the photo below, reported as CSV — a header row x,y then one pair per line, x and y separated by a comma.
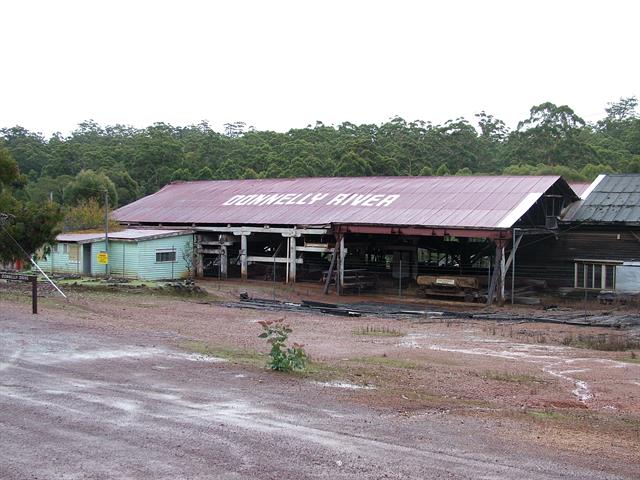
x,y
106,230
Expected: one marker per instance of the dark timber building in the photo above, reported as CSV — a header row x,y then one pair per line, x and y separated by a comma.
x,y
598,240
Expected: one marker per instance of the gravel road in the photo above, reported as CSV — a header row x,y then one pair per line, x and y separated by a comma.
x,y
83,403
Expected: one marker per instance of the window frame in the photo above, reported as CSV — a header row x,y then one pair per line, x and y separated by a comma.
x,y
584,278
162,251
76,257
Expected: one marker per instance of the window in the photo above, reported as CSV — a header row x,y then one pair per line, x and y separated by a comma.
x,y
595,274
54,248
65,248
73,251
552,209
164,256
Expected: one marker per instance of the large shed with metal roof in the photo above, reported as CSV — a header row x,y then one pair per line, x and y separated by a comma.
x,y
341,229
598,237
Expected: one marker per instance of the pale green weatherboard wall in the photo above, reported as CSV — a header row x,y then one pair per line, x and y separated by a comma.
x,y
118,251
127,259
58,262
123,259
148,269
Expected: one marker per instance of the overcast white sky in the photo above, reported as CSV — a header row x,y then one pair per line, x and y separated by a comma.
x,y
283,64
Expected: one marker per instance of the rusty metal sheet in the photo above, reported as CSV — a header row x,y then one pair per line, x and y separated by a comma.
x,y
579,187
482,202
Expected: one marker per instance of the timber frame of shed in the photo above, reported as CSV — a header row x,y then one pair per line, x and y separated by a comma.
x,y
319,228
217,242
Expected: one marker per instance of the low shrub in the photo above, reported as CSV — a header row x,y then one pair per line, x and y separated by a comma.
x,y
281,357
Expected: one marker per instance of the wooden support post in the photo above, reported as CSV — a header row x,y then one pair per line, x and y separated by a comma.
x,y
331,268
33,279
224,262
342,253
243,257
288,260
292,259
34,294
199,270
512,261
501,279
497,275
199,257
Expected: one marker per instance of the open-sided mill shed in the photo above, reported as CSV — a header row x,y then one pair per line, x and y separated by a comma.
x,y
354,232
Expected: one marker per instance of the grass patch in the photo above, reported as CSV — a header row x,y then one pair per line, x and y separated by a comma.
x,y
258,359
388,362
604,342
619,424
16,296
317,371
421,399
547,415
95,284
322,372
374,331
234,355
508,377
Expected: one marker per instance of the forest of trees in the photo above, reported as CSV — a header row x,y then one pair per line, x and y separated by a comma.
x,y
127,163
49,184
131,162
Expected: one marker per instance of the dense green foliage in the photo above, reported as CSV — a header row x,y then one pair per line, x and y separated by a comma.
x,y
88,185
131,162
30,224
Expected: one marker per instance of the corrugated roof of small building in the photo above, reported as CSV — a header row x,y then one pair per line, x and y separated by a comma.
x,y
125,235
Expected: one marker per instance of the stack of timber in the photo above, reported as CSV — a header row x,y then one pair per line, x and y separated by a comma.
x,y
426,314
354,279
465,288
358,309
527,290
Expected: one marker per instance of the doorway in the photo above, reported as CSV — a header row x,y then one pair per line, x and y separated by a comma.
x,y
86,259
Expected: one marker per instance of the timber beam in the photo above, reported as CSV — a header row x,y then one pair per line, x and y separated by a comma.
x,y
423,231
258,259
285,232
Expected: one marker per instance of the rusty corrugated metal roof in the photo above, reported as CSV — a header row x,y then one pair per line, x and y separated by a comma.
x,y
615,199
579,187
483,202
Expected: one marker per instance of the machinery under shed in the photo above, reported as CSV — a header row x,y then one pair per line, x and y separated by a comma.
x,y
453,236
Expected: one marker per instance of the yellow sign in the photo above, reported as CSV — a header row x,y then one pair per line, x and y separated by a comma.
x,y
103,258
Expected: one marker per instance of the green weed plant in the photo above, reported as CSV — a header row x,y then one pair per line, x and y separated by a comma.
x,y
281,357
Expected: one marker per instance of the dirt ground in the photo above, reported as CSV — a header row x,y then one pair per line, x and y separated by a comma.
x,y
498,386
